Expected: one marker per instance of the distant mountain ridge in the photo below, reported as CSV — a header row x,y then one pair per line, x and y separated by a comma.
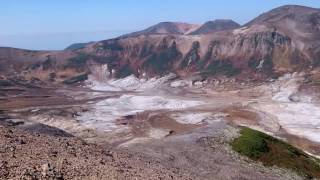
x,y
176,28
293,12
283,40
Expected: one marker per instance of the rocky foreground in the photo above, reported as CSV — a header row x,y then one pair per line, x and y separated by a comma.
x,y
25,155
31,155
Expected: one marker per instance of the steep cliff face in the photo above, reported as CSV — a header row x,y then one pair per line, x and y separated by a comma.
x,y
264,51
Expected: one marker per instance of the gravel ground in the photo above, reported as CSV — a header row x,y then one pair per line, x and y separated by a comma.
x,y
206,154
25,155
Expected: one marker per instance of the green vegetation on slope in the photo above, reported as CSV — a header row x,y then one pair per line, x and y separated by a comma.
x,y
273,152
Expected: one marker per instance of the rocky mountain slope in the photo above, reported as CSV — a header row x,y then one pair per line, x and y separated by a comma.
x,y
282,40
301,24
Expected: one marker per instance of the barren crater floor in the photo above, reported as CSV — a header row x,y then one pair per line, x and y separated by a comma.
x,y
167,119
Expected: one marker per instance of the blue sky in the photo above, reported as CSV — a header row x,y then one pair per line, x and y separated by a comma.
x,y
53,25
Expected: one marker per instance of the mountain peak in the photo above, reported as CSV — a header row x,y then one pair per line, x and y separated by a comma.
x,y
215,26
294,7
301,14
166,27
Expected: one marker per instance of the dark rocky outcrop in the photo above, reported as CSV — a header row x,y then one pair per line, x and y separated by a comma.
x,y
192,57
162,61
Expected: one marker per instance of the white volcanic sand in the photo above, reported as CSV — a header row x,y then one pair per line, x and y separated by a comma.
x,y
297,118
130,83
192,117
286,90
104,113
180,83
287,86
301,119
102,86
